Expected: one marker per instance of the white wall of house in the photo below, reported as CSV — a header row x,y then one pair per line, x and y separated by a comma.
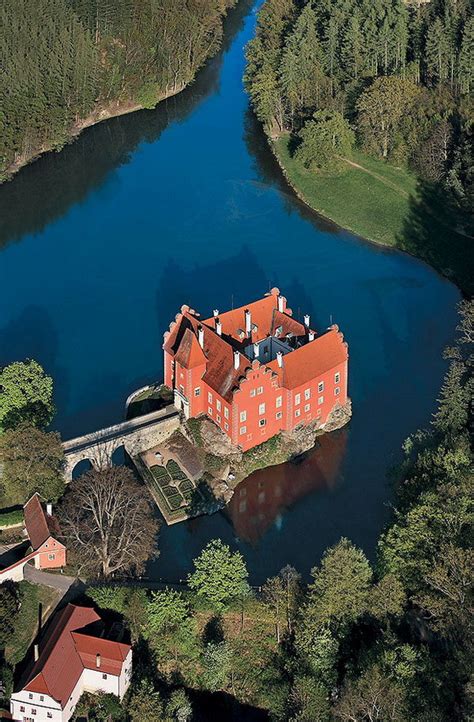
x,y
23,704
91,680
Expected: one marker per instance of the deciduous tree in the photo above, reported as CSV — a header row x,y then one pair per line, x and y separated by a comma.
x,y
324,140
220,575
26,395
108,523
32,461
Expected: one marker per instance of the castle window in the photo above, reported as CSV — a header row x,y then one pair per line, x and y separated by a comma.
x,y
243,416
307,394
209,397
41,698
278,415
307,407
218,418
261,409
226,427
337,391
243,430
321,386
262,422
321,400
297,399
219,405
252,392
226,412
297,412
209,410
260,390
337,377
197,391
104,676
318,412
279,401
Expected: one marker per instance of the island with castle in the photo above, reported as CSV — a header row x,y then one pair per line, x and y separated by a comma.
x,y
250,387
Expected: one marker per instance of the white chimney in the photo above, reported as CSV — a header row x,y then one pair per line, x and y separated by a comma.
x,y
256,350
280,358
36,652
218,327
97,660
311,336
201,336
281,303
248,322
236,360
306,320
216,312
49,509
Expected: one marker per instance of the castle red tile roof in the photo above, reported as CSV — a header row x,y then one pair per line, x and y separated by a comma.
x,y
39,525
190,354
67,651
311,360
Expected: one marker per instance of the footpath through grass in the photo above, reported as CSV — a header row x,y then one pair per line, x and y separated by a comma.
x,y
388,205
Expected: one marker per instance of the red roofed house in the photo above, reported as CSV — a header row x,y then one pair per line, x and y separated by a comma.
x,y
42,529
255,370
73,659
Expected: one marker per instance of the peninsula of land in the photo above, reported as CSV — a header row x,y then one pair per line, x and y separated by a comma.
x,y
374,135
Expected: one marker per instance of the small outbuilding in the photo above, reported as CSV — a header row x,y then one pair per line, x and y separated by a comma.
x,y
43,532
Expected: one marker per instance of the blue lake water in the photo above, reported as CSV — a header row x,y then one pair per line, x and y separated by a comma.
x,y
101,244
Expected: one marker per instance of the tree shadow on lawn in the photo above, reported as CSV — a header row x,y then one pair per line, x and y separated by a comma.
x,y
434,230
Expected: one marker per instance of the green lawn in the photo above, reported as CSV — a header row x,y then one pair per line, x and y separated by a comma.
x,y
8,518
26,624
388,205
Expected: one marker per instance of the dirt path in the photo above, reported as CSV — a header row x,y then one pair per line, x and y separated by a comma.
x,y
380,178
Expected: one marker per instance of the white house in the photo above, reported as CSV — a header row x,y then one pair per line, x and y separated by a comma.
x,y
73,659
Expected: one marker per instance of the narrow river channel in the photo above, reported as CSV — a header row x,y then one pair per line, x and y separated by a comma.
x,y
102,243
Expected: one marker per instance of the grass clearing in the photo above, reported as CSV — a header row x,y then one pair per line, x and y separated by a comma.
x,y
11,518
354,199
388,205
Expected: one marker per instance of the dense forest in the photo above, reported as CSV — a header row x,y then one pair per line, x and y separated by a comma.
x,y
63,61
390,640
393,80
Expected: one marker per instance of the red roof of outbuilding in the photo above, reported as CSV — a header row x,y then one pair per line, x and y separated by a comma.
x,y
66,652
39,525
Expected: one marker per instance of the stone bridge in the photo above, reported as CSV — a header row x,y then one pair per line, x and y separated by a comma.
x,y
135,436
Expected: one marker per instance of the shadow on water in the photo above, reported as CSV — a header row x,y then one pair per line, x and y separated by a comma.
x,y
44,191
216,287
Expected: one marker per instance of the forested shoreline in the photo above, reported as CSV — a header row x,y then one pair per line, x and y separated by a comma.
x,y
67,64
338,83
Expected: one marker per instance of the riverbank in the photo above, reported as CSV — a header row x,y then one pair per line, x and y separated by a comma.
x,y
112,110
386,205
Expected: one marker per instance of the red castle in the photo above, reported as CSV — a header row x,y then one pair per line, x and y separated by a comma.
x,y
255,370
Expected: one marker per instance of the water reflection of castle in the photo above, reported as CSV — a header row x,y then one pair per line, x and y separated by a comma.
x,y
264,495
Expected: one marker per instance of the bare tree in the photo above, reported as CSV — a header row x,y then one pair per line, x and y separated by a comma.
x,y
107,522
